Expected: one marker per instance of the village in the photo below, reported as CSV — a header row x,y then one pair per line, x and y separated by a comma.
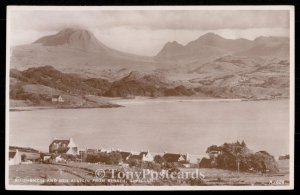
x,y
65,161
66,150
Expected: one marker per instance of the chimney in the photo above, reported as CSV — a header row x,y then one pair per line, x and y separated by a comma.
x,y
71,140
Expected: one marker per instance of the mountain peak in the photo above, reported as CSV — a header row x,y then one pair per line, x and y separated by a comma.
x,y
70,31
73,37
210,36
170,47
174,44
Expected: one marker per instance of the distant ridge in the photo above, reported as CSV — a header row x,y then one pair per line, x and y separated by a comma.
x,y
211,45
79,51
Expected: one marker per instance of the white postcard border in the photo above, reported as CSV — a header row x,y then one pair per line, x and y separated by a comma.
x,y
291,8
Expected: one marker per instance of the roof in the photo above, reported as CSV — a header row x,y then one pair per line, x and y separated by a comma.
x,y
60,145
169,157
125,154
12,154
92,150
136,156
61,141
29,155
139,156
23,149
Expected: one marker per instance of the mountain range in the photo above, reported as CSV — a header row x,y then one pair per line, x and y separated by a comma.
x,y
79,51
210,65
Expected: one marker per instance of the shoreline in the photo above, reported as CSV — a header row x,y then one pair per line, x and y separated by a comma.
x,y
171,100
118,102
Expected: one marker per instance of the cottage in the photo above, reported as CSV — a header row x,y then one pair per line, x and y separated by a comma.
x,y
146,156
21,155
15,157
59,146
125,156
57,98
143,156
177,158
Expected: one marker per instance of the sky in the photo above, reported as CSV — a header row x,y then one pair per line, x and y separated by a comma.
x,y
145,32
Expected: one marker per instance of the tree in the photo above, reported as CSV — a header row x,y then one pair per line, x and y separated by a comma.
x,y
133,162
237,157
150,165
205,163
114,158
263,161
92,158
213,148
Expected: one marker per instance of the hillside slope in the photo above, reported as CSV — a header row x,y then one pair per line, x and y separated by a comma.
x,y
38,85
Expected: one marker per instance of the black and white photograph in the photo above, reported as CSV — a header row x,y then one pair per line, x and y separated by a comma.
x,y
150,97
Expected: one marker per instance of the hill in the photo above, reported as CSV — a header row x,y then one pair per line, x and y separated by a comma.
x,y
243,77
38,85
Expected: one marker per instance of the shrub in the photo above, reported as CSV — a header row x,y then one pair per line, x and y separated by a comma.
x,y
133,162
196,182
114,158
159,159
150,165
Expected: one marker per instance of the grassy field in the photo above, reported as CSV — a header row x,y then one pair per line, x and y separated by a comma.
x,y
84,174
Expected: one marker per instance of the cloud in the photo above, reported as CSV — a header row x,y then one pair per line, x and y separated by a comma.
x,y
204,20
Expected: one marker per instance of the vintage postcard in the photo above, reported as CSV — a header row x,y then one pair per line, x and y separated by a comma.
x,y
150,98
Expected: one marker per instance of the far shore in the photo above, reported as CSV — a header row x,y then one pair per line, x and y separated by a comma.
x,y
140,100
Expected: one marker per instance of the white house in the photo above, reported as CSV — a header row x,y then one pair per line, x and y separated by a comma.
x,y
57,98
15,157
143,156
173,157
146,156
